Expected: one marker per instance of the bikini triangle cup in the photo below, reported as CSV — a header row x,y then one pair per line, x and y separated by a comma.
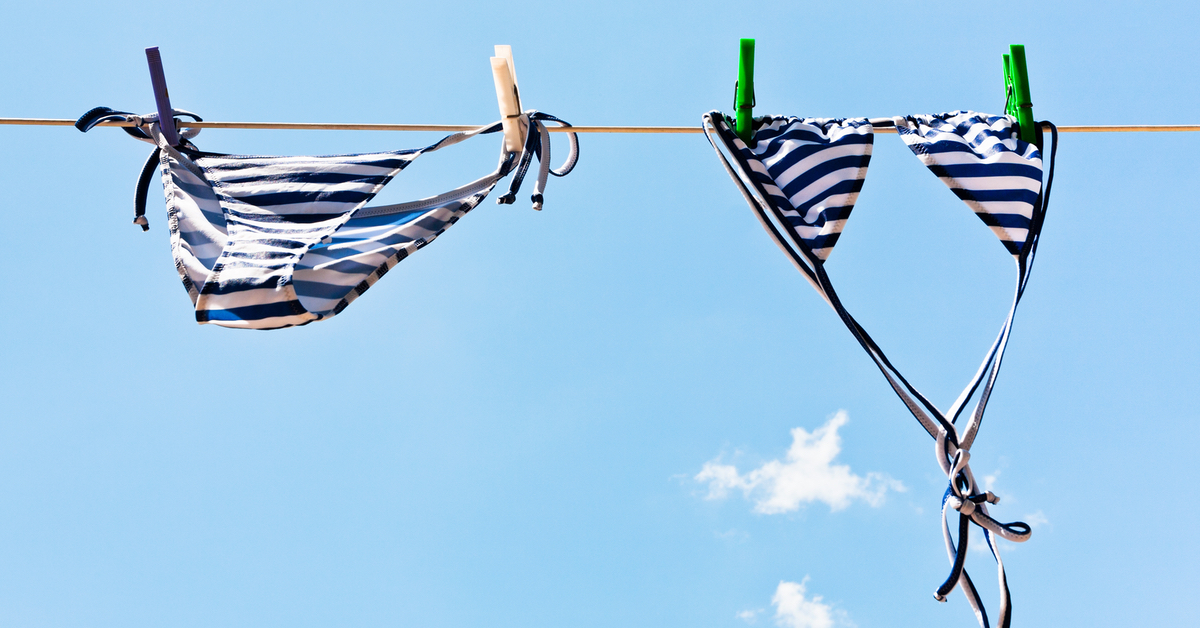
x,y
803,176
271,242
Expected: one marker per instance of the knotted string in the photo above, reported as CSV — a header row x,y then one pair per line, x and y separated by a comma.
x,y
537,144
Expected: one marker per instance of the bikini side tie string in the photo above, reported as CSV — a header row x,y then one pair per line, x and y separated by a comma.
x,y
537,144
89,120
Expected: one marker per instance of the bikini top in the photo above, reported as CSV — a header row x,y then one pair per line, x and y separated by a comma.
x,y
802,177
265,242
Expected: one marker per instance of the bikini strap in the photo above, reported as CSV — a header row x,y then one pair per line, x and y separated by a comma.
x,y
141,131
95,116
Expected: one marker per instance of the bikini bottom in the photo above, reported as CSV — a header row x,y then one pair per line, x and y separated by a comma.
x,y
271,242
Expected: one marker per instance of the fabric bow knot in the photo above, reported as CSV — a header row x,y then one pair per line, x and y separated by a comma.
x,y
963,495
966,505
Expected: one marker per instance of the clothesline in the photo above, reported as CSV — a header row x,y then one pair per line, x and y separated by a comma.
x,y
882,125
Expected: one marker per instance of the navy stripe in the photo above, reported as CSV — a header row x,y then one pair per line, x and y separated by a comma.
x,y
294,198
980,170
321,290
826,241
252,312
230,286
280,243
829,214
255,217
233,163
996,196
1010,221
312,177
342,266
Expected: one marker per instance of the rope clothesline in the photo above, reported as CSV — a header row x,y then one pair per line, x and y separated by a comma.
x,y
882,125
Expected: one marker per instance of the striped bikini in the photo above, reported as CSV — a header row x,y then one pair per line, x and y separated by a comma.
x,y
271,242
802,177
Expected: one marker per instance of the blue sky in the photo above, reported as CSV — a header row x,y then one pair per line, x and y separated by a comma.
x,y
513,427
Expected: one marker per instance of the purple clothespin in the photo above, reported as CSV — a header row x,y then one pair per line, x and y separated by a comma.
x,y
166,115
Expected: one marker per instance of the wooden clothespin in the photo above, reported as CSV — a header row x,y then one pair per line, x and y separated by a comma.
x,y
162,100
504,73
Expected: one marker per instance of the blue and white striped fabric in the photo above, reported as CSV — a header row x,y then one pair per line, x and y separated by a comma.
x,y
811,170
271,242
984,163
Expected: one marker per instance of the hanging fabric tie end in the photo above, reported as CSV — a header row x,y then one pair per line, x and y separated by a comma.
x,y
966,505
141,221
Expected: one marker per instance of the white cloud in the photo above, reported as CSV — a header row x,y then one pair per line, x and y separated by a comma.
x,y
794,610
1034,519
749,616
978,543
1037,519
807,475
733,535
989,481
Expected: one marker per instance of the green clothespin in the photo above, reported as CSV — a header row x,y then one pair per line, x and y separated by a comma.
x,y
1016,85
743,99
